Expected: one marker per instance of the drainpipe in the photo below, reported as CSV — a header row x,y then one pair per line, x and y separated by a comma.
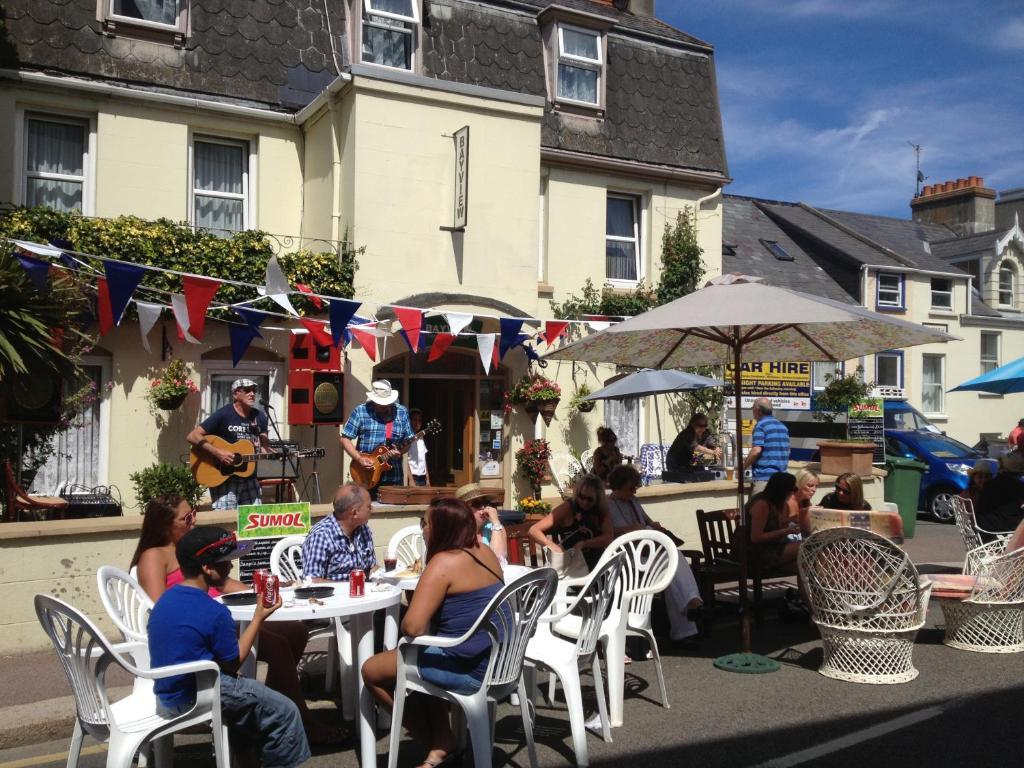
x,y
331,92
706,198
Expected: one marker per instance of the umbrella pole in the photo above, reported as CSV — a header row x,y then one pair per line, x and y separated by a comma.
x,y
657,419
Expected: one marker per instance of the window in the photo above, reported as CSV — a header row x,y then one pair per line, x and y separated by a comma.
x,y
389,32
889,369
622,239
220,185
160,12
932,385
160,21
822,374
1007,285
942,293
973,268
890,290
989,350
580,65
55,162
777,250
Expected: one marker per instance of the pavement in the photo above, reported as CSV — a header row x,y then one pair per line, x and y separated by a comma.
x,y
959,710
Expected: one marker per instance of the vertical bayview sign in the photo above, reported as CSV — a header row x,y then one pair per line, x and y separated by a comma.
x,y
461,190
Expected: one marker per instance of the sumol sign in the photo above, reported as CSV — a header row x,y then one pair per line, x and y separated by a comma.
x,y
257,521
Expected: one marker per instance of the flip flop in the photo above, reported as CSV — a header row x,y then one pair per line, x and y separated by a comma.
x,y
629,659
452,758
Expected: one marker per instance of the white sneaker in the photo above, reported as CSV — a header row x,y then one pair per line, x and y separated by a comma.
x,y
594,725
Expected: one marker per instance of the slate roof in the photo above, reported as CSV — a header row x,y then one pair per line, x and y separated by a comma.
x,y
978,244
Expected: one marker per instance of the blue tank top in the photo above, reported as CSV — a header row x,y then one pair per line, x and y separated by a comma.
x,y
459,612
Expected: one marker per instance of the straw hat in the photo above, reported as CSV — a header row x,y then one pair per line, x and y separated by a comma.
x,y
381,393
471,491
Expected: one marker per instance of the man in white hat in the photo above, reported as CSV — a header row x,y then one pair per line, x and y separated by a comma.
x,y
379,421
238,420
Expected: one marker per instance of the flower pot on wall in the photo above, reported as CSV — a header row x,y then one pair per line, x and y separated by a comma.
x,y
172,403
547,409
531,410
839,456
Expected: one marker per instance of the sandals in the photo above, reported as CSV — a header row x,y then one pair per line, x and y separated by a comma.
x,y
452,758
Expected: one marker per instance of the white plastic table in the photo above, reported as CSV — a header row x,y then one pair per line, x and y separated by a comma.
x,y
359,610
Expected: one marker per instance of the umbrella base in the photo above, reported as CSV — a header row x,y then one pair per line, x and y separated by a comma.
x,y
747,663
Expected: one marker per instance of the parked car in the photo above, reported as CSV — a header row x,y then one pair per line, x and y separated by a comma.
x,y
899,414
948,462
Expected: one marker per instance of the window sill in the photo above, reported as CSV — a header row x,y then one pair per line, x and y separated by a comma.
x,y
152,34
936,416
941,312
622,286
579,108
884,308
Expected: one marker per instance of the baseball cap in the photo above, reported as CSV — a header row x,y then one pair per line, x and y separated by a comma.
x,y
208,544
239,383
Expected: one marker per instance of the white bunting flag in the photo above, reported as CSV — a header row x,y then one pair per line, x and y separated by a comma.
x,y
37,249
180,309
277,287
457,321
148,315
485,342
598,325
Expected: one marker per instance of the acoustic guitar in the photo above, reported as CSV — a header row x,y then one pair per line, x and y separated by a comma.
x,y
211,474
370,478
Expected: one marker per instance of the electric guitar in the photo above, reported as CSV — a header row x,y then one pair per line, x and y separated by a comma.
x,y
370,478
212,473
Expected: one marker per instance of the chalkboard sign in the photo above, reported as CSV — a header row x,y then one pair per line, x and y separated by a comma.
x,y
866,421
255,558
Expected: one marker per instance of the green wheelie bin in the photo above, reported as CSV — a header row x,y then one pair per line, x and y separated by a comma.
x,y
903,486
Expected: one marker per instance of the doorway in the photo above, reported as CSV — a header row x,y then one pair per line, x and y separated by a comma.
x,y
450,455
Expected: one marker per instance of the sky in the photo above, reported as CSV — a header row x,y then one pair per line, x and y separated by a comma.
x,y
821,99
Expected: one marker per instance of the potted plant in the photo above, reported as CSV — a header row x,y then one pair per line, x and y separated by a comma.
x,y
537,394
577,404
532,461
839,395
168,392
160,479
533,507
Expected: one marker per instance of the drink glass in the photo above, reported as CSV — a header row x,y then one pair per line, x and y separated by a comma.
x,y
390,563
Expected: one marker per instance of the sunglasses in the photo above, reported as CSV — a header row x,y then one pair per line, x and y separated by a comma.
x,y
218,548
246,389
189,518
842,489
588,499
480,503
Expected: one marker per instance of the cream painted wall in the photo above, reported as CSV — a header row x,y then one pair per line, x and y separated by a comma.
x,y
317,187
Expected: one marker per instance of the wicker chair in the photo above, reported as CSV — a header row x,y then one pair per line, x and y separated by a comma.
x,y
967,523
991,618
867,603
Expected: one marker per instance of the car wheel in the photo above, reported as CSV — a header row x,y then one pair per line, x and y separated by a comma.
x,y
940,506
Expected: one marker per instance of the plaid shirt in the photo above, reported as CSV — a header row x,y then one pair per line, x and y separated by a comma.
x,y
327,553
369,430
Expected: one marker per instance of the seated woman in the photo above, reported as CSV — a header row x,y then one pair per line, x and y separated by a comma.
x,y
281,643
799,504
683,595
694,446
607,455
581,523
848,495
770,529
489,529
460,579
1000,509
977,478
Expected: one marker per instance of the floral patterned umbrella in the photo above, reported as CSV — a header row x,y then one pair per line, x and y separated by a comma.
x,y
741,319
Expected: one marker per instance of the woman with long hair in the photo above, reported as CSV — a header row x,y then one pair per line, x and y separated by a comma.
x,y
459,580
581,522
771,531
694,446
848,495
607,455
799,504
281,643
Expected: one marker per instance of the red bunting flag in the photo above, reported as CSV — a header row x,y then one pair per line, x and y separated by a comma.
x,y
199,292
412,322
441,343
317,301
368,341
495,356
318,330
553,329
104,310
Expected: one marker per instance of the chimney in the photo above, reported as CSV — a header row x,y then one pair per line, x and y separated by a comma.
x,y
965,205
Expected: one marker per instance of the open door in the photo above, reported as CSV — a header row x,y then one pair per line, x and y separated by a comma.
x,y
450,454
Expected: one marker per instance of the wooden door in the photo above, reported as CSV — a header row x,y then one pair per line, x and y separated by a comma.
x,y
450,454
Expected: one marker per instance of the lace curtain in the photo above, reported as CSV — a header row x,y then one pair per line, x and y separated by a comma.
x,y
219,168
55,148
157,11
620,254
390,46
76,451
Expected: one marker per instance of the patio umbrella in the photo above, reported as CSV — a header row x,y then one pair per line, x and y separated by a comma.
x,y
651,381
1004,380
740,319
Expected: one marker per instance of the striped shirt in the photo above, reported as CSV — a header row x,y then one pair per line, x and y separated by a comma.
x,y
772,437
327,553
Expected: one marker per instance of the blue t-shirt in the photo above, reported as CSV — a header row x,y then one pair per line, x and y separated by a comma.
x,y
773,438
188,625
226,423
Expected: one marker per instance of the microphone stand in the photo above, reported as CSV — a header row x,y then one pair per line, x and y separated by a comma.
x,y
291,460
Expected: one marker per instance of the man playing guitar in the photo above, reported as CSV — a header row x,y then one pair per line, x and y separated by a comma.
x,y
237,420
378,421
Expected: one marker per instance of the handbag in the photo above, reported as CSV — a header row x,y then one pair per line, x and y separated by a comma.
x,y
568,564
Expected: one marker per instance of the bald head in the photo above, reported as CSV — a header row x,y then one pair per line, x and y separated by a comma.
x,y
349,502
762,405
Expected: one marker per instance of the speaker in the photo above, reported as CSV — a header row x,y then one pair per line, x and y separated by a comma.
x,y
316,397
306,355
34,400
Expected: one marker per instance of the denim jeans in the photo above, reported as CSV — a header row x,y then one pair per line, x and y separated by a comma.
x,y
265,717
446,671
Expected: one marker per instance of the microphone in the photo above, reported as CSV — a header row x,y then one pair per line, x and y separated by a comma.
x,y
266,404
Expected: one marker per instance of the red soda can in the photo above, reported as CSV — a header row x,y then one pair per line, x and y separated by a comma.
x,y
271,590
259,579
356,583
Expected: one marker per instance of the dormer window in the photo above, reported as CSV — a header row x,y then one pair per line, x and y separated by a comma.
x,y
155,20
580,65
390,29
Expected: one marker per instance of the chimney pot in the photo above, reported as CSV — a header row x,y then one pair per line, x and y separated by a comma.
x,y
926,190
976,181
948,186
961,183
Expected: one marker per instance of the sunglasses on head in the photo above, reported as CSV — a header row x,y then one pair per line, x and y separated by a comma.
x,y
220,547
189,518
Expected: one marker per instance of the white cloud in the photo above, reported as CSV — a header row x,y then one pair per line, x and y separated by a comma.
x,y
1011,36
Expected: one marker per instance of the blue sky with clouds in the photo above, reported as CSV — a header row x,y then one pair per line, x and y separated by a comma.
x,y
821,97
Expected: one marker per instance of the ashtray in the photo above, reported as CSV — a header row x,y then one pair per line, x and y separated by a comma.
x,y
304,593
239,598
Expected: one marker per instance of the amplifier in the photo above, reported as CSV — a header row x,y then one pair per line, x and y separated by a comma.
x,y
101,501
267,469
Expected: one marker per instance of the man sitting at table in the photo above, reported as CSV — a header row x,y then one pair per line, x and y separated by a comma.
x,y
187,625
341,542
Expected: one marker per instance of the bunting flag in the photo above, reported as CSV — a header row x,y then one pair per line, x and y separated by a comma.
x,y
103,313
241,337
598,325
411,321
367,340
553,329
318,330
148,315
317,301
276,287
66,259
37,249
37,269
457,321
199,292
180,309
122,280
253,318
510,336
485,343
441,343
341,312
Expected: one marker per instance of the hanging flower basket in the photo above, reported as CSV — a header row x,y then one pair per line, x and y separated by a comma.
x,y
168,392
546,408
538,395
171,403
586,406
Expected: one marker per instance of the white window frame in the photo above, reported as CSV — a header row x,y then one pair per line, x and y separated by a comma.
x,y
177,26
88,122
900,302
940,385
248,195
942,293
365,17
637,202
984,359
835,369
222,367
1007,268
898,357
596,65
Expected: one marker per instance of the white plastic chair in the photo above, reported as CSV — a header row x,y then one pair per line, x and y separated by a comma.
x,y
129,723
651,562
867,603
564,470
407,546
127,604
991,618
587,460
510,619
563,657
